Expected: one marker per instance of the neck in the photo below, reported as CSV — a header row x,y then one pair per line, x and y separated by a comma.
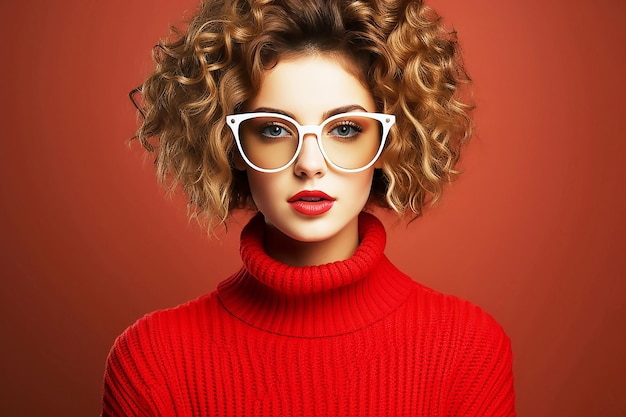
x,y
298,253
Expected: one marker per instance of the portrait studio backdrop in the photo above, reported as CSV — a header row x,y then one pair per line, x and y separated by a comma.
x,y
533,231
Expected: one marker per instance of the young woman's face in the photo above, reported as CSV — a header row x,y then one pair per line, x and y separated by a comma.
x,y
310,88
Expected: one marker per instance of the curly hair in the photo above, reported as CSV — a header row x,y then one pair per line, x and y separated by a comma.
x,y
411,64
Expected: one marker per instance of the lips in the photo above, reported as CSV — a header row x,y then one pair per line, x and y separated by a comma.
x,y
311,203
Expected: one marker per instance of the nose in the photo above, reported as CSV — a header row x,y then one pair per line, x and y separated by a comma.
x,y
310,161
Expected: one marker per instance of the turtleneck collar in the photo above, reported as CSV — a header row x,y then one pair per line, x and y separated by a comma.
x,y
314,301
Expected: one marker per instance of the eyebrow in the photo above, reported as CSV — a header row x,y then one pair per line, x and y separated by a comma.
x,y
332,112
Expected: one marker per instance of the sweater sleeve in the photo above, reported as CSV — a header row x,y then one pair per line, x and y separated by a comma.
x,y
130,384
482,384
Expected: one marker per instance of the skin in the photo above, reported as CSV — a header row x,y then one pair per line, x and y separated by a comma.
x,y
307,87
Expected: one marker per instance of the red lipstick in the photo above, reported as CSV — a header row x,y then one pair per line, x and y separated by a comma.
x,y
311,203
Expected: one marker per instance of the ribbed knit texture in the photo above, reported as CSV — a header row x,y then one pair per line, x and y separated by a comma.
x,y
350,338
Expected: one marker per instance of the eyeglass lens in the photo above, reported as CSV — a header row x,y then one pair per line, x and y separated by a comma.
x,y
350,142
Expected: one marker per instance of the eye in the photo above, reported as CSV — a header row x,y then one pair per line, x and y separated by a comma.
x,y
273,130
345,129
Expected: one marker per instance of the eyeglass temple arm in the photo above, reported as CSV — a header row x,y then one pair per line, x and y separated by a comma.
x,y
131,96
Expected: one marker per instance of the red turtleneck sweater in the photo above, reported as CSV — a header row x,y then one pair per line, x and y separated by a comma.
x,y
350,338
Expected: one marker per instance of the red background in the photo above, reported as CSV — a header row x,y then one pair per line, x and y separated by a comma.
x,y
533,232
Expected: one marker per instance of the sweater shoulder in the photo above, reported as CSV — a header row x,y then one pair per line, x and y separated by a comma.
x,y
148,354
146,342
174,322
476,349
460,317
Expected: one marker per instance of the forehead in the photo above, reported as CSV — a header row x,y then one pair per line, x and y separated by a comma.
x,y
309,85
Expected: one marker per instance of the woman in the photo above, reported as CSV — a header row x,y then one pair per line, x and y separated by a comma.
x,y
308,112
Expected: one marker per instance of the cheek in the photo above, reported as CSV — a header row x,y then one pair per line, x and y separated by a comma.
x,y
359,186
365,178
263,188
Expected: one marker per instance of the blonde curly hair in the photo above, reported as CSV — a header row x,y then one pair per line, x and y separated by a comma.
x,y
411,64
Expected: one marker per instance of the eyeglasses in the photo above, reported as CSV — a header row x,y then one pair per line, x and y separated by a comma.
x,y
350,142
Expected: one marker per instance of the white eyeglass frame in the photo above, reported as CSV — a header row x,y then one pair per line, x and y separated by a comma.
x,y
386,120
